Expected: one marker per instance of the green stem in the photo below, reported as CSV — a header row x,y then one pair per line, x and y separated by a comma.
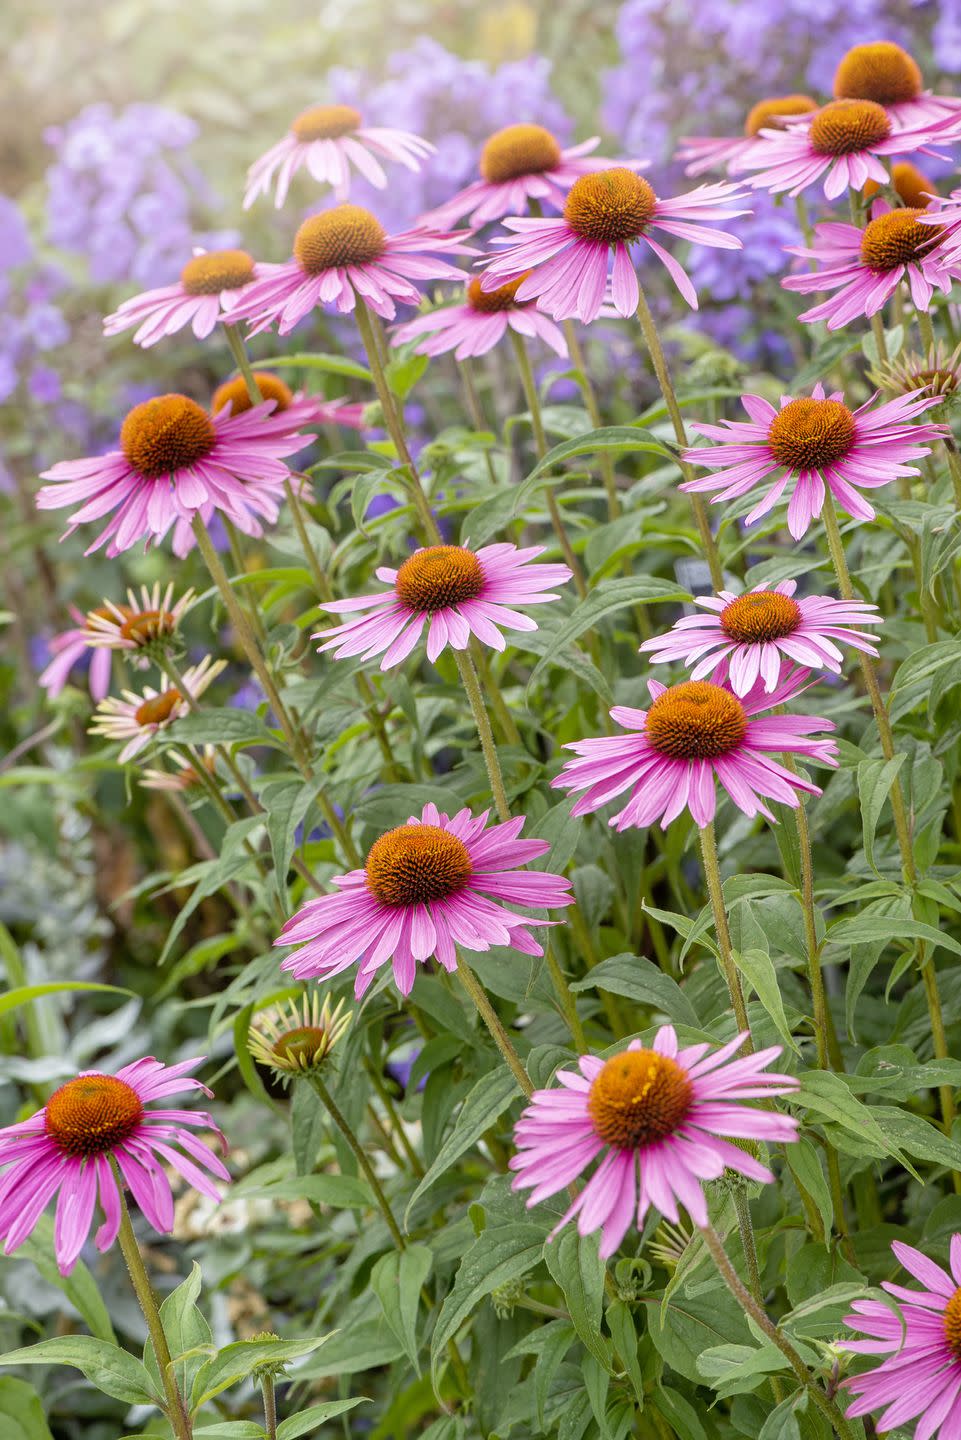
x,y
394,423
465,369
540,449
880,339
759,1315
566,997
658,360
471,684
396,1121
712,874
925,329
594,411
492,1020
175,1408
248,643
881,716
327,1100
898,809
269,1393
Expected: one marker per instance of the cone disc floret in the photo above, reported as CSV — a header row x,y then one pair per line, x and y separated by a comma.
x,y
695,721
518,150
897,238
345,235
416,864
768,114
235,393
844,127
166,434
326,122
488,302
880,71
92,1114
760,616
612,206
639,1098
217,270
810,434
438,577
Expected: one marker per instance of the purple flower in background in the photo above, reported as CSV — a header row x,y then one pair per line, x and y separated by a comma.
x,y
122,192
452,102
16,247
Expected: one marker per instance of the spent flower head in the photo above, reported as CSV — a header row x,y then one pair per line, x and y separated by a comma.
x,y
297,1039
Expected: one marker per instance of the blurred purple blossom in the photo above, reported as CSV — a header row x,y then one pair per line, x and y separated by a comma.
x,y
16,247
453,102
123,193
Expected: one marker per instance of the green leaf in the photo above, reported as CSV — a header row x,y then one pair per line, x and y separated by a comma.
x,y
330,364
396,1280
605,599
498,1255
286,802
23,994
226,726
782,1423
238,1360
805,1164
757,967
491,515
863,929
639,979
79,1286
21,1411
186,1329
826,1096
340,1192
482,1108
108,1367
735,1369
573,1261
297,1425
919,1137
404,371
230,1430
875,778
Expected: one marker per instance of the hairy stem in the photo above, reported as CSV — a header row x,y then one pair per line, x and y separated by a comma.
x,y
175,1407
653,342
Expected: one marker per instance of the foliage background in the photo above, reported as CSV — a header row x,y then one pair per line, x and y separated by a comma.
x,y
90,869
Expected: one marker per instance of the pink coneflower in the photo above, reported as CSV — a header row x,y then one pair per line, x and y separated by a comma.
x,y
658,1116
748,637
865,267
142,627
881,71
197,299
86,1127
519,165
820,444
692,735
329,140
454,592
68,649
299,409
340,255
175,461
604,215
184,776
846,141
137,718
477,324
921,1378
704,152
427,887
